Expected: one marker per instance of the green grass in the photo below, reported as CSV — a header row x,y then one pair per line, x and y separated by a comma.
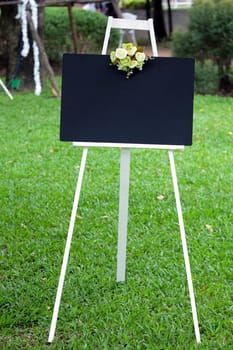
x,y
152,309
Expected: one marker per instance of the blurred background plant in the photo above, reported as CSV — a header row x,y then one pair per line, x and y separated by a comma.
x,y
209,39
203,30
90,27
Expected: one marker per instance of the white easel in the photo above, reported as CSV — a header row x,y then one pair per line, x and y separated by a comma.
x,y
124,189
5,89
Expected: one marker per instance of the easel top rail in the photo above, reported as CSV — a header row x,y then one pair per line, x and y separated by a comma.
x,y
129,24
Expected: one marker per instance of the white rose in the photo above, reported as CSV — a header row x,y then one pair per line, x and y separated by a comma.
x,y
131,50
121,53
132,64
140,56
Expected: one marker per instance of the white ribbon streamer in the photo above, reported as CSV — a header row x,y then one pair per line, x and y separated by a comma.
x,y
24,25
26,45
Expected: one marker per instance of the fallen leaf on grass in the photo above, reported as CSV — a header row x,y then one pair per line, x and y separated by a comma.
x,y
204,287
209,227
104,217
160,197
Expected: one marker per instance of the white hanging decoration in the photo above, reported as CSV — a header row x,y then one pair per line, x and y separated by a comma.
x,y
24,25
36,53
36,69
26,46
19,9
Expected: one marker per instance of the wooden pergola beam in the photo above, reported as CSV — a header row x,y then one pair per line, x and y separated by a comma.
x,y
50,2
11,2
69,3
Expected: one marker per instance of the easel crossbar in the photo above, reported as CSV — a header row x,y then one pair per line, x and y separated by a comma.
x,y
128,145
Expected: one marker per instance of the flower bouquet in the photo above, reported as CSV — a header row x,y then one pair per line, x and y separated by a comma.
x,y
128,57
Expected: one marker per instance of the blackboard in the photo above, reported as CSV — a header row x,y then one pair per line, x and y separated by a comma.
x,y
154,106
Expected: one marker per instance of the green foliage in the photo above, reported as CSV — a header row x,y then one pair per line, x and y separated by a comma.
x,y
133,4
206,72
57,37
209,35
181,44
90,31
206,77
151,311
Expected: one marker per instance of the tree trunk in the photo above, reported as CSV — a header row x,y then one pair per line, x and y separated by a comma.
x,y
159,24
17,69
26,75
148,9
44,57
9,38
116,9
170,25
73,28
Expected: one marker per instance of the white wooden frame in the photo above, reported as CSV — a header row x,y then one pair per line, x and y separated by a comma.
x,y
124,189
121,23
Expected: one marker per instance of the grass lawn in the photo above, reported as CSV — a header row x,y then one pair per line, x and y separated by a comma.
x,y
152,309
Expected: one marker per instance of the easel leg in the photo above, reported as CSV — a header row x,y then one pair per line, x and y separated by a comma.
x,y
123,214
5,89
67,247
184,245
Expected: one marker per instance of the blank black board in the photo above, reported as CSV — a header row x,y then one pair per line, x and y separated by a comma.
x,y
154,106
